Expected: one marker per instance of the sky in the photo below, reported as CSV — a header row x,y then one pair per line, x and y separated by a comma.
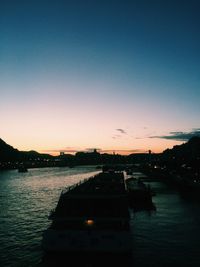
x,y
119,76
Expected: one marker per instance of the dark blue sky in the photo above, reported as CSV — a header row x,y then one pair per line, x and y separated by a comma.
x,y
137,58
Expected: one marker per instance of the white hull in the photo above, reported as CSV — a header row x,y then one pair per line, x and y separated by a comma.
x,y
86,241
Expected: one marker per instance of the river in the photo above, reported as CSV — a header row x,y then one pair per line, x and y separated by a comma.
x,y
168,236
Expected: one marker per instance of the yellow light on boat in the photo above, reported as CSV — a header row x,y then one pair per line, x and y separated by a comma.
x,y
89,222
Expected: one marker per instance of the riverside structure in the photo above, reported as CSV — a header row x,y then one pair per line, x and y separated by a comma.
x,y
91,216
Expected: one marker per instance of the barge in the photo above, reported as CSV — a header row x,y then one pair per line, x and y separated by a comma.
x,y
92,216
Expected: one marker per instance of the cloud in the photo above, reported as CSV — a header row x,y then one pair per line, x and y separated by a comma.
x,y
180,136
116,136
122,131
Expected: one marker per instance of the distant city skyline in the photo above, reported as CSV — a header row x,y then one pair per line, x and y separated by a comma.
x,y
119,76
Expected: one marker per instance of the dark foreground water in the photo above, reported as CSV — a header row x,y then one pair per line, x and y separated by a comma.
x,y
169,236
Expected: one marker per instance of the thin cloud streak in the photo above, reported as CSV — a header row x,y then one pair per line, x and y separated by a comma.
x,y
122,131
116,136
180,136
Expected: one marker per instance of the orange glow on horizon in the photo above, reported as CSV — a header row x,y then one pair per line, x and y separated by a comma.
x,y
121,151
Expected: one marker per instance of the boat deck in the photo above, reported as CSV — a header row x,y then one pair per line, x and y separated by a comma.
x,y
102,196
92,216
103,183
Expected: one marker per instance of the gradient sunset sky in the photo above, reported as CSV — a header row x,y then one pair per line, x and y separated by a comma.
x,y
119,76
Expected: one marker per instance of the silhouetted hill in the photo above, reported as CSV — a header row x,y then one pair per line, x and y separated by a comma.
x,y
7,152
185,154
30,155
188,153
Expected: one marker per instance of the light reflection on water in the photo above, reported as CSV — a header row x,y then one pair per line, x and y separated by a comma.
x,y
25,202
169,236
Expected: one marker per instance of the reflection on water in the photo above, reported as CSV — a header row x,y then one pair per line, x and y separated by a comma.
x,y
87,260
25,202
169,236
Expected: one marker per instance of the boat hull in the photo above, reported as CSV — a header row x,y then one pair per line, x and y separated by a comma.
x,y
86,241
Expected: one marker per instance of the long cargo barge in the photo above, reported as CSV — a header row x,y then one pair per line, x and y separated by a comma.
x,y
92,216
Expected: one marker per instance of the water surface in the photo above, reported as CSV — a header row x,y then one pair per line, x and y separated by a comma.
x,y
25,202
169,236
